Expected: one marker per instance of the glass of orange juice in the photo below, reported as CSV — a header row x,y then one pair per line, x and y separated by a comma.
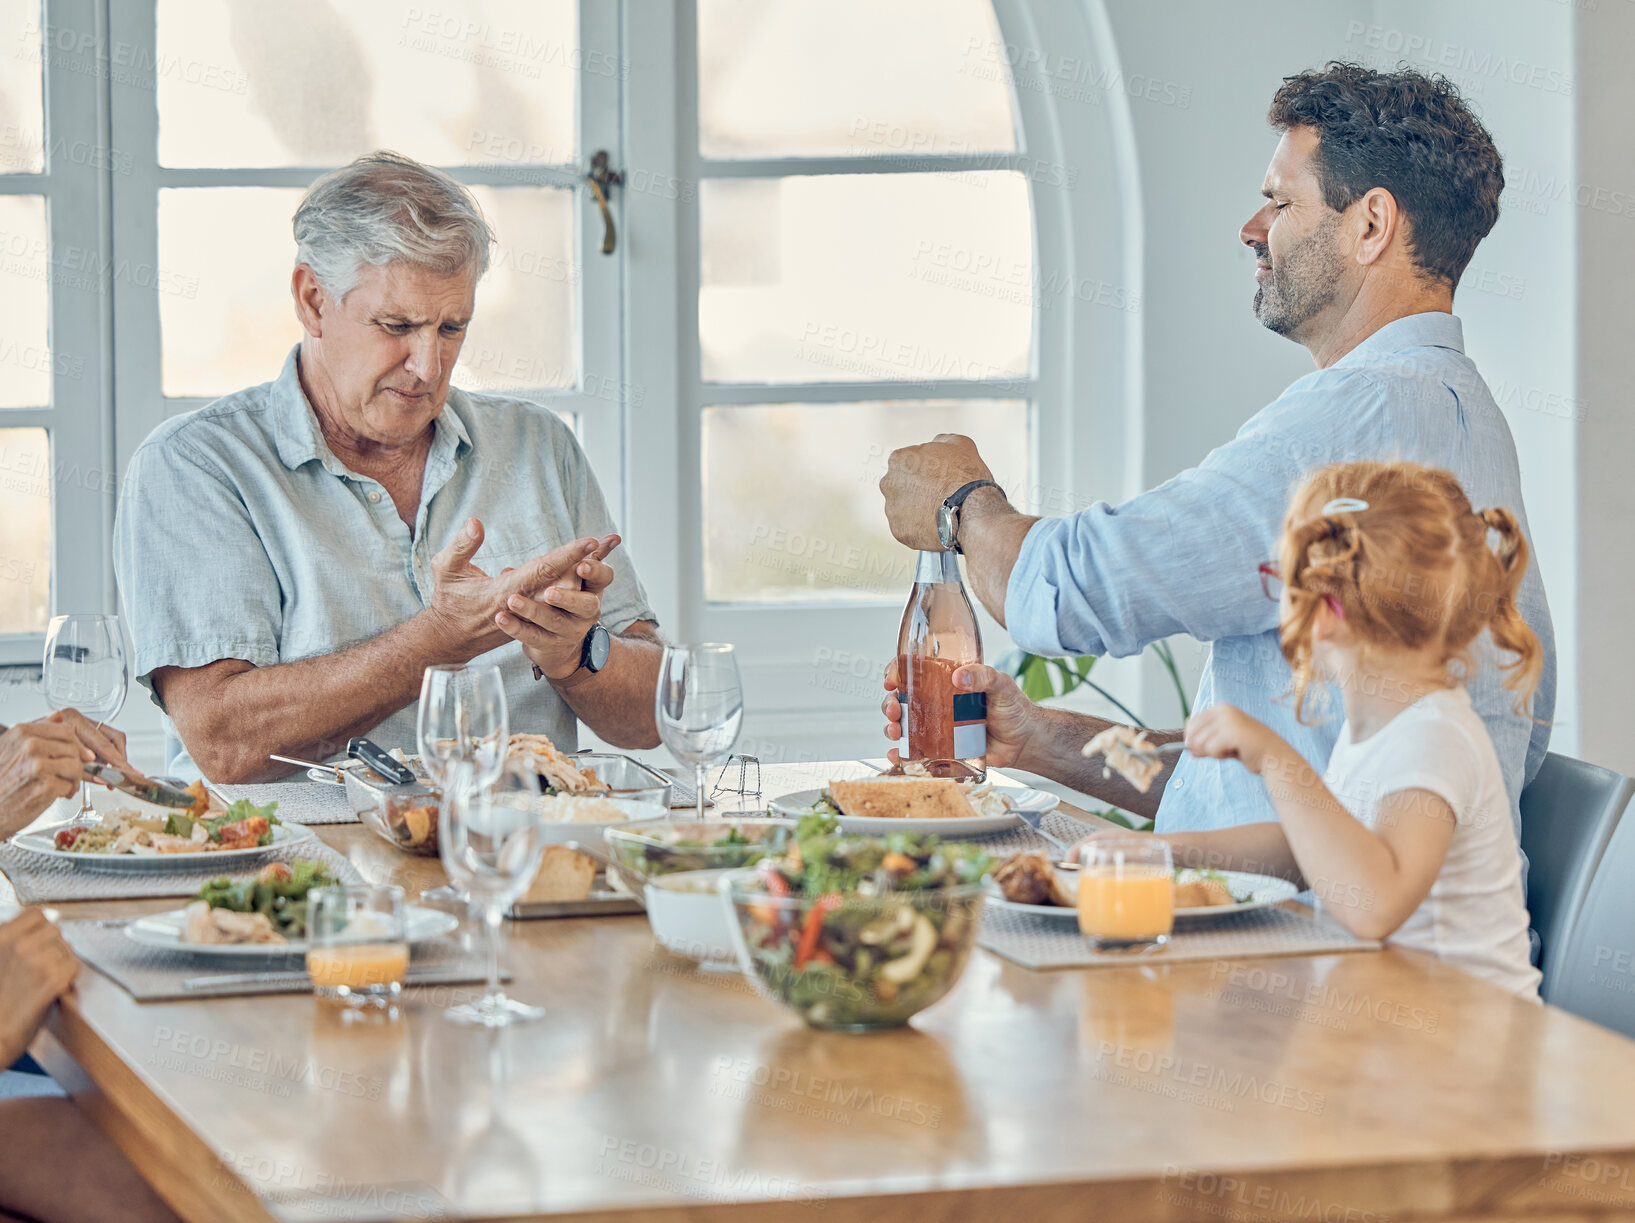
x,y
357,944
1126,893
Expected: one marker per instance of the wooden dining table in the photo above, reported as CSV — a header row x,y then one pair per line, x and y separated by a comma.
x,y
1349,1088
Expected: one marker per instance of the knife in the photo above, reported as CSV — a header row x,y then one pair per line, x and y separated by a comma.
x,y
149,791
295,976
373,755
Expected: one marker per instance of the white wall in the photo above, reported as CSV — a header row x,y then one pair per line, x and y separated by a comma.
x,y
1605,267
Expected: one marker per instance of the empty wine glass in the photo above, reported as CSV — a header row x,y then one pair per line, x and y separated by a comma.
x,y
491,839
463,717
699,707
85,669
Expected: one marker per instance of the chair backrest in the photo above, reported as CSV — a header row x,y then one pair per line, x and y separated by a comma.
x,y
1593,972
1569,817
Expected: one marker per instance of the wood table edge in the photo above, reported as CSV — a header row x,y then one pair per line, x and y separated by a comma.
x,y
1501,1189
167,1151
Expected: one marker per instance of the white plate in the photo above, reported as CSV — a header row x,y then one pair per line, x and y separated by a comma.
x,y
40,842
1263,890
1018,798
164,930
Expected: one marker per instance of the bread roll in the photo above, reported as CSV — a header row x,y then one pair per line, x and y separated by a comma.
x,y
565,874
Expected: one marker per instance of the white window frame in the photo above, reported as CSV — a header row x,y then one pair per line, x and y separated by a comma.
x,y
138,387
1084,387
79,418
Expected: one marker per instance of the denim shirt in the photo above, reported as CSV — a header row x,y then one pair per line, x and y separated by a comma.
x,y
1183,557
241,535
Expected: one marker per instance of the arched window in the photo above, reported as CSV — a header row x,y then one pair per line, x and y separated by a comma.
x,y
888,230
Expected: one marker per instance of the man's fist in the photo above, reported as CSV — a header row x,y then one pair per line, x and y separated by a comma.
x,y
1010,713
920,478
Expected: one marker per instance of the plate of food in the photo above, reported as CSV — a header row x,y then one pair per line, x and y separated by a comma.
x,y
1031,883
126,840
264,915
877,806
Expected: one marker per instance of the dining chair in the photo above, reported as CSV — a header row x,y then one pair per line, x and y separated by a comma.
x,y
1577,849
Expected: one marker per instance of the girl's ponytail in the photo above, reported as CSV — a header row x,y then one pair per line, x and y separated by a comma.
x,y
1508,565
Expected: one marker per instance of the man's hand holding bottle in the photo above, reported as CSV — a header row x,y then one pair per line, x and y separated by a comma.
x,y
1010,713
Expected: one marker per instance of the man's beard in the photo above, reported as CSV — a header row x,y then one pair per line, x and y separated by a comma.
x,y
1303,282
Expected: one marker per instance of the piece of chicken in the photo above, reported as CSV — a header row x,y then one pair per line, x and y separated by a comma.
x,y
209,925
1030,879
1114,746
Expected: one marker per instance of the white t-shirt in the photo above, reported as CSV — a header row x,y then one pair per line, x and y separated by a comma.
x,y
1476,914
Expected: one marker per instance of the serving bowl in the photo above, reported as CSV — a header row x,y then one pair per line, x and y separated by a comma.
x,y
852,962
688,918
653,848
626,777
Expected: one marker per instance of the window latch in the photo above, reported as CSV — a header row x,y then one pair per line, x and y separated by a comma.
x,y
602,179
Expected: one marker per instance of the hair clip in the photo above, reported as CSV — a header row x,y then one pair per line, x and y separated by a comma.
x,y
1344,505
1335,606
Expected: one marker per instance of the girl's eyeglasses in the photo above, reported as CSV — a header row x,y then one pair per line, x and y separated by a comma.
x,y
1271,581
1271,585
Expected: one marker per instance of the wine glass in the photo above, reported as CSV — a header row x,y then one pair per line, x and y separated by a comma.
x,y
85,669
463,717
491,839
699,707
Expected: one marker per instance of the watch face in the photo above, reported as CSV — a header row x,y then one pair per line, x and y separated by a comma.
x,y
946,523
597,648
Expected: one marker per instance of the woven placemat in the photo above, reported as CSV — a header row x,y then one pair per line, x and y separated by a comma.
x,y
299,802
41,877
153,974
1023,840
1046,942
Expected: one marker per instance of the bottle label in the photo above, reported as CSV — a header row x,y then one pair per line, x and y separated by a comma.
x,y
970,725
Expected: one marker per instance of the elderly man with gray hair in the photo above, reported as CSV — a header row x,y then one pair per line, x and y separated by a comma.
x,y
292,557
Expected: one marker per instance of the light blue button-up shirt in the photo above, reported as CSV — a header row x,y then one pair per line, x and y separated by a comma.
x,y
1183,558
241,535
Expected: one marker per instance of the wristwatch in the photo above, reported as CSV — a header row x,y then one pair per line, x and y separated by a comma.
x,y
594,651
948,513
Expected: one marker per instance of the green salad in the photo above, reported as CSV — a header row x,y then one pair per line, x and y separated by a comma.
x,y
856,932
279,892
239,813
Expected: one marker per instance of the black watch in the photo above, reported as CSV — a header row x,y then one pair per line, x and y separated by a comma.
x,y
596,649
948,513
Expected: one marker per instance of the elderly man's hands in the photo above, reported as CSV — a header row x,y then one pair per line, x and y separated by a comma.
x,y
39,762
36,968
476,611
920,478
552,627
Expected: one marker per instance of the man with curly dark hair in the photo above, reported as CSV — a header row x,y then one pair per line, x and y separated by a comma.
x,y
1380,189
1423,170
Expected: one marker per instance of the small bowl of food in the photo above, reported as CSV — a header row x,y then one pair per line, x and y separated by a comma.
x,y
644,851
858,933
408,821
689,920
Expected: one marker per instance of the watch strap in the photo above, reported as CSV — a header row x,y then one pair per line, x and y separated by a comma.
x,y
957,497
956,500
584,654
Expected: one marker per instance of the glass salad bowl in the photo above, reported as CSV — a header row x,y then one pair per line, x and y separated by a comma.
x,y
850,961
